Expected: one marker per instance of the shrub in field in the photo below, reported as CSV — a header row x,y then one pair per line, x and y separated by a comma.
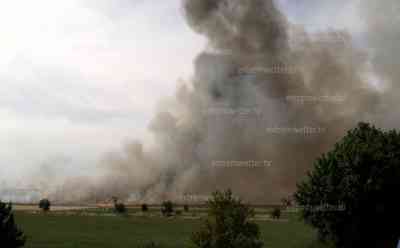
x,y
276,213
120,208
44,204
228,224
350,195
145,208
167,208
286,202
186,208
10,235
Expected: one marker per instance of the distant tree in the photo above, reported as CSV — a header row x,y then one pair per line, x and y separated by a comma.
x,y
10,235
186,208
276,213
44,204
114,199
286,202
119,207
145,208
167,208
228,224
350,195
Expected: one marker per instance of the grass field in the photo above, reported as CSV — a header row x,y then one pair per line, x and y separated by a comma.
x,y
96,230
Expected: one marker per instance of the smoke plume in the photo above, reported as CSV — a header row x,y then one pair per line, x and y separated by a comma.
x,y
264,91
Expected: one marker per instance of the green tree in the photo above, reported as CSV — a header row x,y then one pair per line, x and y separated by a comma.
x,y
145,207
119,207
351,194
186,208
10,235
286,202
276,213
228,224
44,204
167,208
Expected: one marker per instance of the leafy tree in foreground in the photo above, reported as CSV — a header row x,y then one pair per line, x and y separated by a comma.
x,y
10,235
351,196
228,225
44,204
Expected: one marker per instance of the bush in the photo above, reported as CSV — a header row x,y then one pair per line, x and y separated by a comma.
x,y
286,202
120,208
44,204
167,208
186,208
350,195
228,224
145,208
276,213
178,212
10,235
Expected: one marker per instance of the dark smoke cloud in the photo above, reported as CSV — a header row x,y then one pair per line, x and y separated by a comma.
x,y
254,62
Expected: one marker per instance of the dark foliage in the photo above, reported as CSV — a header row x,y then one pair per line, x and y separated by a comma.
x,y
167,208
120,208
186,208
145,208
351,194
286,202
276,213
10,235
44,204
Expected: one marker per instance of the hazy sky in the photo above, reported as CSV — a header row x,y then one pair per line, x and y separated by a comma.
x,y
79,78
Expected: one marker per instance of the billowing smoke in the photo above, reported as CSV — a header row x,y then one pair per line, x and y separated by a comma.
x,y
264,91
383,35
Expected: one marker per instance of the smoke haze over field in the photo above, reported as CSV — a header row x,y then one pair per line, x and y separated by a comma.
x,y
264,90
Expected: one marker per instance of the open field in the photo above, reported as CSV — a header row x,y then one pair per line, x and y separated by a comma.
x,y
100,228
